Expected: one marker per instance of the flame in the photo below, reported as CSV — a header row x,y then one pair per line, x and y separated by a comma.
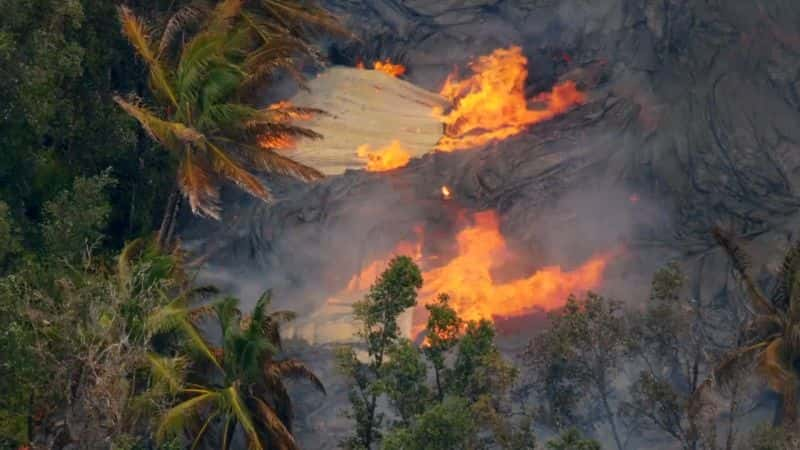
x,y
386,66
391,157
446,194
469,281
475,294
491,105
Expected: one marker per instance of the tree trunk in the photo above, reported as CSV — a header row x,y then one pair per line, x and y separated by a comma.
x,y
611,421
170,211
789,405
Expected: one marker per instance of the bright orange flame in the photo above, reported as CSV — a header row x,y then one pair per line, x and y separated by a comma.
x,y
446,194
491,105
467,278
387,158
388,67
474,293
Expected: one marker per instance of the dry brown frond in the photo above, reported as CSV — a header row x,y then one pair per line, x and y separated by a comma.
x,y
197,186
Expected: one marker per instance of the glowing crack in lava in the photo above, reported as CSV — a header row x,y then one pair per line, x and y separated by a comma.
x,y
386,66
386,158
491,106
467,277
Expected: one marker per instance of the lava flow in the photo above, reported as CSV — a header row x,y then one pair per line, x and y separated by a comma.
x,y
469,281
386,158
475,294
491,106
386,66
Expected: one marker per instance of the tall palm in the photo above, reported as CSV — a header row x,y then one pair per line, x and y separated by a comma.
x,y
243,389
202,118
772,337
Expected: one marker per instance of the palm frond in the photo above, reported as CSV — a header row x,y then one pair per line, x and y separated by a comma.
x,y
773,365
728,367
134,29
271,161
189,15
170,371
197,186
788,289
125,258
176,418
239,410
224,165
303,18
741,264
172,135
276,427
291,368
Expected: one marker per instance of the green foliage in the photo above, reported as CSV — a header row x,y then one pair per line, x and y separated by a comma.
x,y
571,439
448,425
403,380
479,368
442,334
243,390
766,437
393,292
74,220
578,359
9,238
60,63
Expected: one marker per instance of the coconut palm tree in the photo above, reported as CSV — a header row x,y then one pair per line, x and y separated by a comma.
x,y
772,337
242,389
202,117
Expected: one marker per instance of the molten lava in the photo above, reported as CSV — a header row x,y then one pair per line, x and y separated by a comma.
x,y
475,294
469,280
446,194
491,106
391,157
386,66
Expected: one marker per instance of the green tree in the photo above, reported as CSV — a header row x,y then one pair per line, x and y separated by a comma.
x,y
448,425
578,358
202,119
769,337
60,64
404,380
442,333
393,292
73,347
243,387
672,340
571,439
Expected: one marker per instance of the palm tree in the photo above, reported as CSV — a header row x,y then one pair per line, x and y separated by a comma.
x,y
243,389
772,337
202,118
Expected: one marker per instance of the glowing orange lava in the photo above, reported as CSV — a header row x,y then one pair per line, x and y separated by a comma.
x,y
386,66
391,157
469,281
475,294
446,194
491,105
